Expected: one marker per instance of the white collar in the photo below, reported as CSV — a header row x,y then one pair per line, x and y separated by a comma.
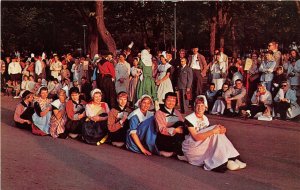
x,y
140,115
192,118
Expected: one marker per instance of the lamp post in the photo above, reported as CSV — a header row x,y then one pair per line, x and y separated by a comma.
x,y
84,44
175,44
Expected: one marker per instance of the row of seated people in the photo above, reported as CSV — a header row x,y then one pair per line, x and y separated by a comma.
x,y
165,132
232,101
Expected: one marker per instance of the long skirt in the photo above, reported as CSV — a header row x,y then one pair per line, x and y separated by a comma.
x,y
57,126
93,132
132,93
119,135
147,86
74,126
163,88
147,135
43,123
122,86
211,152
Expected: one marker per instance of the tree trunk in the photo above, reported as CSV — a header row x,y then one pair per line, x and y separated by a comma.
x,y
93,42
298,7
213,28
105,35
234,44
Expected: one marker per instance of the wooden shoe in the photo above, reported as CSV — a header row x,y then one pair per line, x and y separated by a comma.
x,y
242,165
231,165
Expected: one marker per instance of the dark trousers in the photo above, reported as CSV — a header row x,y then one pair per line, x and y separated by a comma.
x,y
184,103
281,108
254,109
170,143
197,83
107,86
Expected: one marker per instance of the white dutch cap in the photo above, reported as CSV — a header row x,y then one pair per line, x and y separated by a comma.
x,y
141,98
164,53
204,98
95,91
131,44
32,55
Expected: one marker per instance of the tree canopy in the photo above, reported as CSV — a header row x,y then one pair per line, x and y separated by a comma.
x,y
57,26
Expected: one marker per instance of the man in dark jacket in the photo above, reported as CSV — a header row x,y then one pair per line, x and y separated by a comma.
x,y
184,84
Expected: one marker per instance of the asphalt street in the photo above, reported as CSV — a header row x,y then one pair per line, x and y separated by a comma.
x,y
270,149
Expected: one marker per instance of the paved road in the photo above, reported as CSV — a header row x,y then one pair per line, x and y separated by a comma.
x,y
271,150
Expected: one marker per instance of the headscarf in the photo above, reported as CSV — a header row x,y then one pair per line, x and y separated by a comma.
x,y
146,57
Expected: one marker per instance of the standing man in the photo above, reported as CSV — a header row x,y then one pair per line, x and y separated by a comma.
x,y
273,46
198,63
224,58
184,84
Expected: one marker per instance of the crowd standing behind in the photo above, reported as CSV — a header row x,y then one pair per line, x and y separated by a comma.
x,y
130,100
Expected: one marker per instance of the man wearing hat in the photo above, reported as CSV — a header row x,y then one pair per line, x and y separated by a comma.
x,y
24,111
198,63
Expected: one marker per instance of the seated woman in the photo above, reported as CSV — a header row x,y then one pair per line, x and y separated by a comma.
x,y
141,135
94,129
24,111
220,103
117,121
208,145
261,101
42,115
59,116
75,109
169,123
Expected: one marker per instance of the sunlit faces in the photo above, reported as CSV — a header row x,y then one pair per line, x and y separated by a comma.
x,y
122,58
211,87
271,46
195,50
170,102
62,96
260,89
200,108
145,104
97,97
122,101
44,94
135,62
225,87
75,96
293,53
163,60
284,86
238,84
183,61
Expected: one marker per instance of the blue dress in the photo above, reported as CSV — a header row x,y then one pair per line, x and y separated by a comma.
x,y
145,131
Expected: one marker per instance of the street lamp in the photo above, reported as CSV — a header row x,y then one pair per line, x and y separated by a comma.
x,y
175,44
84,44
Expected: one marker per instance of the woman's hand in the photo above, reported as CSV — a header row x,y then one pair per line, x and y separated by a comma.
x,y
146,152
27,121
222,129
216,129
178,130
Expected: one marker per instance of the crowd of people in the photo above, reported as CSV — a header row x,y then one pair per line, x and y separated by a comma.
x,y
129,101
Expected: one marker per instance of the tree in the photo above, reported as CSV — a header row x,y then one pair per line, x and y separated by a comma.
x,y
106,36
